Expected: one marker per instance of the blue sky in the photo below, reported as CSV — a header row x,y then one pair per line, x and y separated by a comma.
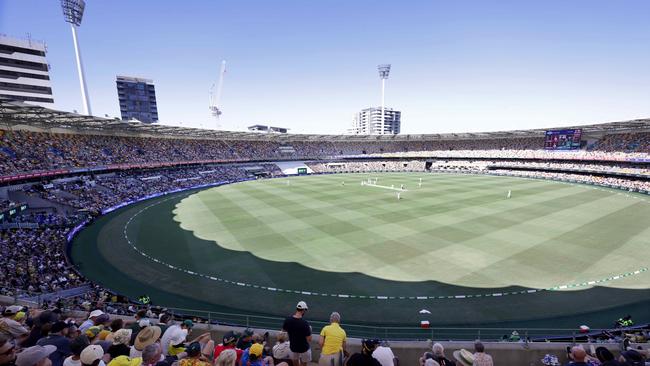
x,y
310,65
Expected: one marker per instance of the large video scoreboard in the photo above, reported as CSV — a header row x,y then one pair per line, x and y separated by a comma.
x,y
563,139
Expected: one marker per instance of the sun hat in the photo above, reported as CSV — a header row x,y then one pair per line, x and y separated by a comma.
x,y
95,313
178,337
91,354
301,305
33,355
12,310
125,361
122,336
147,336
465,357
256,350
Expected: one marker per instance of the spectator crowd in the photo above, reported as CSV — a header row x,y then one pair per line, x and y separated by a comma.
x,y
24,151
36,337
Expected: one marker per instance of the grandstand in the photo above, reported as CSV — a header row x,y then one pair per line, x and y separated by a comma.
x,y
70,182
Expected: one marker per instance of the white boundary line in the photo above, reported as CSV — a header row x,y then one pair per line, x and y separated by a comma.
x,y
380,297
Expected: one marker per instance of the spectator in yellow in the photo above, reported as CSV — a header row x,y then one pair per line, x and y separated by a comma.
x,y
332,342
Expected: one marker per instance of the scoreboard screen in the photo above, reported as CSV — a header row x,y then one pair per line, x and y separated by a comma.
x,y
563,139
302,170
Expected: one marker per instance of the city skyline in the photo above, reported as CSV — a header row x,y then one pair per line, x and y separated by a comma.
x,y
474,66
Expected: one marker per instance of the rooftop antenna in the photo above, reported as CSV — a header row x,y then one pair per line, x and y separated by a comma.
x,y
215,95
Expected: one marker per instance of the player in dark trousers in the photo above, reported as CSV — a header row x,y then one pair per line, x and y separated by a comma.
x,y
299,332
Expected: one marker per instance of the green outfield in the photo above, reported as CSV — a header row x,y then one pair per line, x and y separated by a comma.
x,y
452,244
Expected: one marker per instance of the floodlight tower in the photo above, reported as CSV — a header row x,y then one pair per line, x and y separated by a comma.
x,y
73,11
384,70
215,98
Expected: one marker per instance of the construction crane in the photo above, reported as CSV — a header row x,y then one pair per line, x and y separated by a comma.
x,y
215,95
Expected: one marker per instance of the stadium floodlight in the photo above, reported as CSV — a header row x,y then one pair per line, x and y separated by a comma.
x,y
73,11
384,70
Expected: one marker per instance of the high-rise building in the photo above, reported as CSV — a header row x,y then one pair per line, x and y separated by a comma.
x,y
368,122
137,99
24,73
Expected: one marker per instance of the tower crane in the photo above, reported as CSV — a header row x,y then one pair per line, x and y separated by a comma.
x,y
215,95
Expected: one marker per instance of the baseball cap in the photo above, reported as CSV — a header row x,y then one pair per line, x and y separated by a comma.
x,y
12,310
95,313
229,337
33,355
194,349
256,350
302,305
188,323
91,354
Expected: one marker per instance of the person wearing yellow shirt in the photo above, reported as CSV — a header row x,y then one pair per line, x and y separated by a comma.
x,y
332,342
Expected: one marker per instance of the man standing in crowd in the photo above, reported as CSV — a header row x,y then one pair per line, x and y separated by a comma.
x,y
332,342
299,335
58,338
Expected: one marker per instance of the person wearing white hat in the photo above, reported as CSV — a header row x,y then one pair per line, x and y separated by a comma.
x,y
91,320
35,356
92,355
464,357
9,326
299,332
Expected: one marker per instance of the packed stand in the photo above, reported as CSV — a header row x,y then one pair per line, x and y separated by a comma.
x,y
35,257
34,261
24,151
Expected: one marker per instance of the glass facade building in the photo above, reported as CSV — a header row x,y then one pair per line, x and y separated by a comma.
x,y
137,98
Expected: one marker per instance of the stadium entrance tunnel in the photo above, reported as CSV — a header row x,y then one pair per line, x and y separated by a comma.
x,y
454,245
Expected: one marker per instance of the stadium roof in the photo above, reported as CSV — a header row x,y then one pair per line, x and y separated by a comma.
x,y
14,114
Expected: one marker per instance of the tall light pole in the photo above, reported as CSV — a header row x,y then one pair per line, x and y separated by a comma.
x,y
73,11
384,70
